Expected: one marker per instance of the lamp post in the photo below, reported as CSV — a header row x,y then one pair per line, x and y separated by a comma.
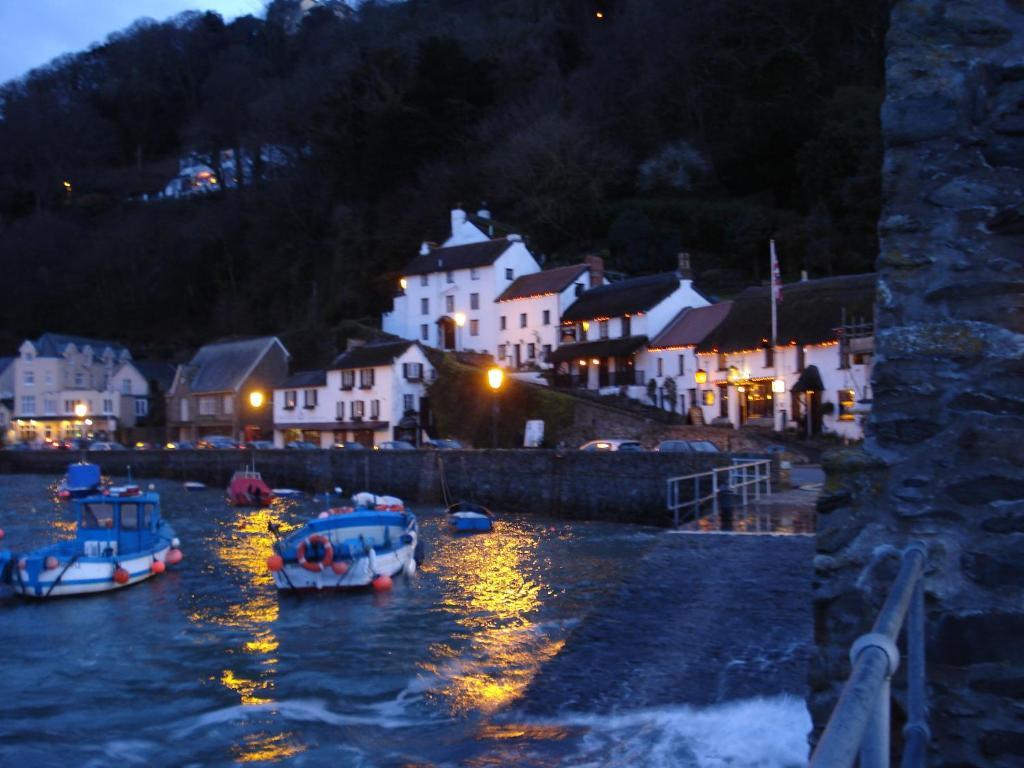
x,y
460,320
256,400
81,411
495,378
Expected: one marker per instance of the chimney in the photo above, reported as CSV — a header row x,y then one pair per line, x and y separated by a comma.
x,y
803,275
424,248
684,271
596,265
458,219
483,213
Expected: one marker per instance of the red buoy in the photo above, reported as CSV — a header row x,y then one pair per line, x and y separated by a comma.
x,y
174,556
340,568
121,576
382,583
1,533
275,563
158,566
51,563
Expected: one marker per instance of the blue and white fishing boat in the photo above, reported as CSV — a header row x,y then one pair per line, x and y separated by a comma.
x,y
81,480
120,539
466,517
367,544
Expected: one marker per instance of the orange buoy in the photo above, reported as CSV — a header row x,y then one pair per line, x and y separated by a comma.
x,y
275,563
1,533
340,568
158,566
382,583
121,576
174,556
51,563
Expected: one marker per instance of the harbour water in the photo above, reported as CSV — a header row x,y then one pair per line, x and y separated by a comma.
x,y
208,665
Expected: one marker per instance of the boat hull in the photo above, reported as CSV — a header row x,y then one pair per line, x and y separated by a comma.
x,y
361,571
86,575
470,522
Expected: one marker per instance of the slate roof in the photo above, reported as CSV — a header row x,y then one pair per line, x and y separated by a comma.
x,y
548,281
305,379
222,367
53,344
622,346
153,370
458,257
370,355
5,363
636,294
809,313
490,227
691,326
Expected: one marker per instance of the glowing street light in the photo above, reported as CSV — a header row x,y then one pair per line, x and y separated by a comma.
x,y
778,386
700,376
256,398
81,409
495,378
403,283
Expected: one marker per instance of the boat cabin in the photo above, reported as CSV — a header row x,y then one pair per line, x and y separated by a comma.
x,y
112,524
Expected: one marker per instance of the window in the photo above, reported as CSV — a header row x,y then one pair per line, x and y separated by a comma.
x,y
207,406
474,301
846,405
522,320
708,397
474,274
229,404
603,329
424,332
531,351
546,317
412,371
375,409
126,386
108,405
769,357
474,327
547,352
627,326
424,306
579,289
449,304
408,403
357,409
800,358
509,273
501,351
141,407
424,279
449,277
348,380
290,398
682,364
340,410
660,370
309,398
366,378
183,409
49,407
98,516
503,323
28,405
48,378
79,380
721,361
29,378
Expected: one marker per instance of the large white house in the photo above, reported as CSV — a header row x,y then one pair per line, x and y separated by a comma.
x,y
371,393
448,291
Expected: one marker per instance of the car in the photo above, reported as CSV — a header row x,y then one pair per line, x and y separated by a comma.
x,y
443,444
180,445
302,445
21,447
613,444
349,445
394,445
103,445
216,442
73,444
142,445
258,445
687,446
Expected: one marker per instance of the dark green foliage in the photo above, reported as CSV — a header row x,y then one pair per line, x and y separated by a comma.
x,y
667,125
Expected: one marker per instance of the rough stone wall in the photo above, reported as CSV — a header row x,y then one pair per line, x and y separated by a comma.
x,y
944,459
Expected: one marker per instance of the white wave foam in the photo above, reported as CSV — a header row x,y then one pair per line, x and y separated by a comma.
x,y
299,710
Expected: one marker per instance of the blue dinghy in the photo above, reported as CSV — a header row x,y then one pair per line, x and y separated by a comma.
x,y
81,480
466,517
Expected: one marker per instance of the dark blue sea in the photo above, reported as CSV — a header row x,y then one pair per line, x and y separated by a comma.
x,y
208,665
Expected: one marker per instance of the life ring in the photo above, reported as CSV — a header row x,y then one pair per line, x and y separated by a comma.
x,y
324,562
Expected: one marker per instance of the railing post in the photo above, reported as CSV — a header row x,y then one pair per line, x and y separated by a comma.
x,y
768,477
714,491
874,749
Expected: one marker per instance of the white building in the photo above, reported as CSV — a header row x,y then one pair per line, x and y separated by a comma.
x,y
448,291
56,373
371,393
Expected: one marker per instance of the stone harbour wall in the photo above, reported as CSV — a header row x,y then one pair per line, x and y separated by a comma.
x,y
944,458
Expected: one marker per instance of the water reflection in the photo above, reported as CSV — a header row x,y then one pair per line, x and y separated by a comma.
x,y
490,584
265,747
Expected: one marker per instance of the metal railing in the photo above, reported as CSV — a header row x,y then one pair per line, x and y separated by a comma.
x,y
740,482
860,721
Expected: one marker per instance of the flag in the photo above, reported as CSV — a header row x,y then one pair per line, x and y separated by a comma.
x,y
776,277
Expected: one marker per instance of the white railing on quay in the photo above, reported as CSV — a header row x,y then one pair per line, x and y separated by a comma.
x,y
705,493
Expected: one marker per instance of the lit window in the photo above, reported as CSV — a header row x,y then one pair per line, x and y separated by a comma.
x,y
846,401
290,398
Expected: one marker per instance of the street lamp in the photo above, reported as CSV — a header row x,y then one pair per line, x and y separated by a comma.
x,y
460,320
81,411
256,398
495,378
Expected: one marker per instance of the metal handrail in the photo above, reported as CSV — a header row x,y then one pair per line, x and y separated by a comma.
x,y
745,477
860,720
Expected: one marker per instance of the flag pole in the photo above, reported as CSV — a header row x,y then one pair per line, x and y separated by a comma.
x,y
776,285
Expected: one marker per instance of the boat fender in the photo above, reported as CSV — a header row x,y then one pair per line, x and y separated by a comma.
x,y
51,563
275,563
158,566
175,542
340,568
2,534
324,562
174,556
410,567
420,552
382,583
121,576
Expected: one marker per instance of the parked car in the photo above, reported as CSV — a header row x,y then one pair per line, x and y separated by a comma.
x,y
614,444
216,442
258,445
73,444
443,444
142,445
302,445
102,445
394,445
687,446
180,445
349,445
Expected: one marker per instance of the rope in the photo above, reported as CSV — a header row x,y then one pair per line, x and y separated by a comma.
x,y
61,575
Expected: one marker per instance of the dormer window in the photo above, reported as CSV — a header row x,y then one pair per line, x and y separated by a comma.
x,y
579,289
509,274
79,379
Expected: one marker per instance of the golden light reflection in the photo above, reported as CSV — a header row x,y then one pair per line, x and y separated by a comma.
x,y
246,689
263,747
488,586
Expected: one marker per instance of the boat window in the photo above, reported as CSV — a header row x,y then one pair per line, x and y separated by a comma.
x,y
147,516
129,517
98,516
